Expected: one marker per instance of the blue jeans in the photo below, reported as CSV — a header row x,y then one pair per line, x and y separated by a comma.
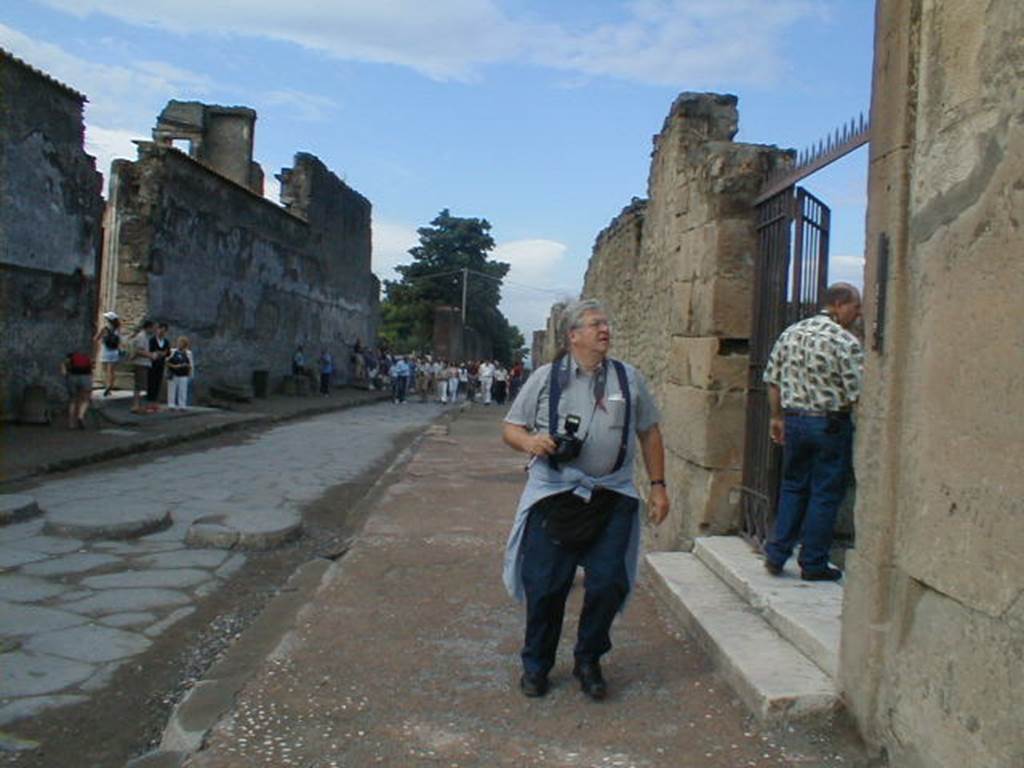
x,y
815,470
548,572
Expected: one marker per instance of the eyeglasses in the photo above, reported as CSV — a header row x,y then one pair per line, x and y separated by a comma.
x,y
598,324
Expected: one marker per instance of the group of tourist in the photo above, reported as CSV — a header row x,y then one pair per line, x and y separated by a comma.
x,y
152,358
447,381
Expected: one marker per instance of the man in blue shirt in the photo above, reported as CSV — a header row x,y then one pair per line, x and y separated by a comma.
x,y
399,379
580,507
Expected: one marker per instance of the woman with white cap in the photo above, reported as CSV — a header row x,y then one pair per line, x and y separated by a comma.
x,y
109,339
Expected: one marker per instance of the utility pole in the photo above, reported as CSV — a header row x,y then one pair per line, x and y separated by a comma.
x,y
465,281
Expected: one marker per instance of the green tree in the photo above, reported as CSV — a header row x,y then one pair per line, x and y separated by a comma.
x,y
434,278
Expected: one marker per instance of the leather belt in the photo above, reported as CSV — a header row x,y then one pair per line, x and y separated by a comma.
x,y
817,414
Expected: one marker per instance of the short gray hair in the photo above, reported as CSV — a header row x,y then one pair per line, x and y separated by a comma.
x,y
572,316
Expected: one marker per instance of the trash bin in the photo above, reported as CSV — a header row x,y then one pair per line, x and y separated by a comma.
x,y
260,383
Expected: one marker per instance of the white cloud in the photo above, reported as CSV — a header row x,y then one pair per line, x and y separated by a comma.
x,y
120,98
108,144
308,107
695,43
846,269
540,275
391,242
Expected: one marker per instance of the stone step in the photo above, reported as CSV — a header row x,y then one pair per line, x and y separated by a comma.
x,y
806,613
774,679
15,507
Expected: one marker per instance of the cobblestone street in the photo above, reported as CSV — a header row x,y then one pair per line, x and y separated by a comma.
x,y
75,609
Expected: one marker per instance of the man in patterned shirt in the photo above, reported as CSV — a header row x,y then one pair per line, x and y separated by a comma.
x,y
814,377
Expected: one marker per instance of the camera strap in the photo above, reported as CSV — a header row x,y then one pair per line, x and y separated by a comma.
x,y
555,395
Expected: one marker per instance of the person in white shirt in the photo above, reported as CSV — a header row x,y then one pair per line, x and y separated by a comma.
x,y
486,380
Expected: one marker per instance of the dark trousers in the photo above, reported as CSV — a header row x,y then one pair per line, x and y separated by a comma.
x,y
154,379
548,572
398,385
815,471
325,383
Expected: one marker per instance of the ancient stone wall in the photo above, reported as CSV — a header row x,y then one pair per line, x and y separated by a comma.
x,y
50,229
245,279
933,619
676,272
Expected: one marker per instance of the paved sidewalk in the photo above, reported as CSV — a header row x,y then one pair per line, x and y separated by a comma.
x,y
114,431
407,655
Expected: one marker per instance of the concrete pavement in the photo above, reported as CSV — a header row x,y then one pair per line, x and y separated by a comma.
x,y
407,654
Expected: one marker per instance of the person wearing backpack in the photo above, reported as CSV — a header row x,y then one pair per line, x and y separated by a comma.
x,y
179,372
109,340
77,371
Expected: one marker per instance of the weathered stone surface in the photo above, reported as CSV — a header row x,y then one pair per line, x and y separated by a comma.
x,y
50,231
211,535
185,558
89,643
106,520
719,306
12,556
130,619
18,709
79,562
703,362
158,758
51,545
174,578
231,566
169,621
15,507
127,601
30,674
706,425
30,619
15,588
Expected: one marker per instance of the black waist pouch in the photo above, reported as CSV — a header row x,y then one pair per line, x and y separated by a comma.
x,y
574,523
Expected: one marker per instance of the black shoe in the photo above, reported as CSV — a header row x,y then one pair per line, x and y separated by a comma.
x,y
829,574
533,686
773,568
591,680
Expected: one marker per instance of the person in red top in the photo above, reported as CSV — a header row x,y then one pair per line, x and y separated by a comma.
x,y
77,371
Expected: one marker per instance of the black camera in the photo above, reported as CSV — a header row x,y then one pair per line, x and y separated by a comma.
x,y
567,446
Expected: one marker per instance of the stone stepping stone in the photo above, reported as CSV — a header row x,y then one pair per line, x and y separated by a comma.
x,y
89,643
16,507
186,558
106,520
251,529
28,674
33,705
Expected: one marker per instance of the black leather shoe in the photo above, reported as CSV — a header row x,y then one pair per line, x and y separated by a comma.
x,y
591,680
533,686
829,574
773,568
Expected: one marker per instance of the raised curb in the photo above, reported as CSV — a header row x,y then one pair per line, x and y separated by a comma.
x,y
117,523
770,676
209,699
158,442
16,507
807,614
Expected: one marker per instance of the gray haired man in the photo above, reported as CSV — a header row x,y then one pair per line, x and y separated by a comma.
x,y
577,418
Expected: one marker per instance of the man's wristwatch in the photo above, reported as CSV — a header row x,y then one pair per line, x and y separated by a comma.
x,y
658,482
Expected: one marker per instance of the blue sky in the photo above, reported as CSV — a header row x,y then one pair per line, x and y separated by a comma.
x,y
535,115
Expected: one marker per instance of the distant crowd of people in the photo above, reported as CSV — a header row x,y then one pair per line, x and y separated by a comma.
x,y
428,378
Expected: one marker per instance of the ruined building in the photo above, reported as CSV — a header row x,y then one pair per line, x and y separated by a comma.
x,y
676,272
51,210
191,241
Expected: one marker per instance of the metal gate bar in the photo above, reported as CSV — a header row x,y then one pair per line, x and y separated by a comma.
x,y
790,276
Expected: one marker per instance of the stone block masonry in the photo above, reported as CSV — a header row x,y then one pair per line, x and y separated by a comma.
x,y
246,280
51,211
676,271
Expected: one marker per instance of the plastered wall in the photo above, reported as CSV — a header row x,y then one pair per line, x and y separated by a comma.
x,y
932,660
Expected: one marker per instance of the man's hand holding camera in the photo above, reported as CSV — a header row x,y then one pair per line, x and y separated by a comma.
x,y
540,444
